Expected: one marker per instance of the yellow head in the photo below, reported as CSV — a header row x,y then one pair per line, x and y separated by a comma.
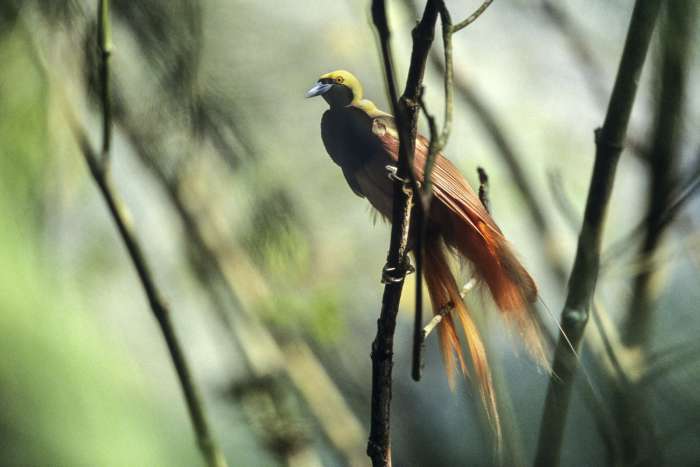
x,y
338,88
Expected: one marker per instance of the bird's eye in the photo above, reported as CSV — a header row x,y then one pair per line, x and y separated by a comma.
x,y
339,80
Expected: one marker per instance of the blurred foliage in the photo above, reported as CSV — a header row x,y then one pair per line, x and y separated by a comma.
x,y
69,397
274,239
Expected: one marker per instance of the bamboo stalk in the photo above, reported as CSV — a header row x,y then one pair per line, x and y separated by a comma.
x,y
582,282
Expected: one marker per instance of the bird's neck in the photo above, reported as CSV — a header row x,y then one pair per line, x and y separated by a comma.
x,y
339,96
368,107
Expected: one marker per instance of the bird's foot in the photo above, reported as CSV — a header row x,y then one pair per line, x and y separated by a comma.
x,y
393,170
394,274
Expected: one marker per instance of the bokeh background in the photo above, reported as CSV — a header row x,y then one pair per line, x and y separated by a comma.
x,y
271,265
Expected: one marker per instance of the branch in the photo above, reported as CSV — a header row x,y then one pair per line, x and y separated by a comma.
x,y
609,141
438,140
665,150
437,319
405,111
99,166
640,435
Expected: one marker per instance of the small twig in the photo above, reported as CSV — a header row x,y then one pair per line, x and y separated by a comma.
x,y
446,310
473,17
582,282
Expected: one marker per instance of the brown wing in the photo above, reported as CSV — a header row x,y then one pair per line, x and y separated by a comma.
x,y
449,186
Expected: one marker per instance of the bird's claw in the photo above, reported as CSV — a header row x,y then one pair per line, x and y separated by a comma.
x,y
393,170
394,275
409,267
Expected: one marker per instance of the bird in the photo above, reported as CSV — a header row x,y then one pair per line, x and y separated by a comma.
x,y
363,141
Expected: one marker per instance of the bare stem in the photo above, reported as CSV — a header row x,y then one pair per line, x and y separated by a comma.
x,y
405,111
437,319
99,166
582,282
438,140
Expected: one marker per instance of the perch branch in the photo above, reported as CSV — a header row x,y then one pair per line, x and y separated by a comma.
x,y
609,141
405,111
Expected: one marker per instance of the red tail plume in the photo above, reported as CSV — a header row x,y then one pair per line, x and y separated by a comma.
x,y
445,293
511,286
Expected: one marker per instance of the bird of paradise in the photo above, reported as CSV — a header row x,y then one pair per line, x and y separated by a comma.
x,y
363,141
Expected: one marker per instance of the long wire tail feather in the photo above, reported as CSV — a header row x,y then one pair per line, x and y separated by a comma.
x,y
444,292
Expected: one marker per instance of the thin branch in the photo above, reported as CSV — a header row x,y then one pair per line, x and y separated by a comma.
x,y
582,282
446,310
438,140
405,111
99,166
473,17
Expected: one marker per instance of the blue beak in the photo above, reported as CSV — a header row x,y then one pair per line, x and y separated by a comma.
x,y
318,89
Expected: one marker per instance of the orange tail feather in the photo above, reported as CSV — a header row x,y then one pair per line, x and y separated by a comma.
x,y
511,286
445,293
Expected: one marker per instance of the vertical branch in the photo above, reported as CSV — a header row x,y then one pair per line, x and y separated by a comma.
x,y
438,140
677,37
640,440
437,143
405,111
609,141
99,166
